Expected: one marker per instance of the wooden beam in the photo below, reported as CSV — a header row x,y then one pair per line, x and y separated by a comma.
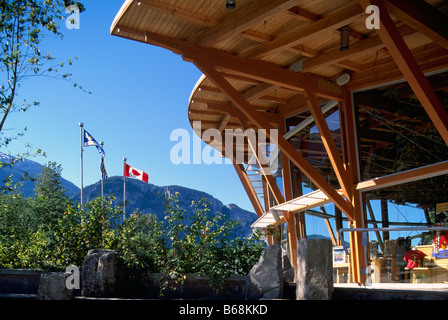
x,y
360,47
287,149
426,172
286,167
265,170
410,69
248,188
423,17
241,19
176,11
329,144
225,108
352,161
292,238
330,23
250,69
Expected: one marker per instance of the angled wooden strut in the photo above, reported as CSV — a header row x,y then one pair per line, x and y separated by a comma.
x,y
259,70
408,66
329,144
286,148
423,17
248,188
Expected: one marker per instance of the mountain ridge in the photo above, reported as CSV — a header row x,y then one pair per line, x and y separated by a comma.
x,y
150,199
145,197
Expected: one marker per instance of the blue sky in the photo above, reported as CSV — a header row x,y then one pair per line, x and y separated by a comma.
x,y
139,96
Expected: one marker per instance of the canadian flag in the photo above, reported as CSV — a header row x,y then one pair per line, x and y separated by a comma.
x,y
129,171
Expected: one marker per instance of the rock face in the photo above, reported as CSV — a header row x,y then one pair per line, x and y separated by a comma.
x,y
267,276
99,273
52,287
314,270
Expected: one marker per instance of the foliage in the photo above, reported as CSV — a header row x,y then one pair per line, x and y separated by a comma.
x,y
205,245
23,26
48,232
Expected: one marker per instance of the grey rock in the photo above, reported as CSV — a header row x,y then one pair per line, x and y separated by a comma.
x,y
287,268
314,279
98,273
52,287
266,277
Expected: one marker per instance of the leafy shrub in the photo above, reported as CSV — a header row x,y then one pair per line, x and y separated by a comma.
x,y
48,232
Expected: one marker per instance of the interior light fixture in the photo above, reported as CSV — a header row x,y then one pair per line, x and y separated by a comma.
x,y
230,4
343,79
344,39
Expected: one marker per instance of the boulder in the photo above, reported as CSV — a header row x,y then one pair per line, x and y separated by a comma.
x,y
52,287
99,273
287,268
265,279
314,279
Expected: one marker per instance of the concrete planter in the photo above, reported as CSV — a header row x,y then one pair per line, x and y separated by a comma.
x,y
19,281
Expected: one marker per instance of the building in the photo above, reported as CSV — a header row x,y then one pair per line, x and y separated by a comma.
x,y
349,96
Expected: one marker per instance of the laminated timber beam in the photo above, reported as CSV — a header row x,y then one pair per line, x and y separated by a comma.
x,y
329,144
422,17
242,19
258,70
248,188
351,157
287,149
410,69
330,23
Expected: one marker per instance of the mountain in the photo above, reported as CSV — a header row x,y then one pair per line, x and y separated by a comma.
x,y
149,198
145,197
33,169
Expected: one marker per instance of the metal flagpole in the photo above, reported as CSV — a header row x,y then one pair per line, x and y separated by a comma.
x,y
102,175
81,126
124,188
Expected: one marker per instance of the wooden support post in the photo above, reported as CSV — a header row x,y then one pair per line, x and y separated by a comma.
x,y
351,146
292,238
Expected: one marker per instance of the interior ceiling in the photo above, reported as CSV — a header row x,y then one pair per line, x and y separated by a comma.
x,y
262,46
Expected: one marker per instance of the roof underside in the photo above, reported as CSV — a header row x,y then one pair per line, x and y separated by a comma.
x,y
260,38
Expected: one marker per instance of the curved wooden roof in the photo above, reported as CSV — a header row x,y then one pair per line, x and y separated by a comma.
x,y
261,37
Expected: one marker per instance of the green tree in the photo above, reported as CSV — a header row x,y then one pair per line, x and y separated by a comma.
x,y
50,201
23,26
14,228
204,245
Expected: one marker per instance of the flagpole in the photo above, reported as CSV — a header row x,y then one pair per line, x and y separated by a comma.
x,y
124,189
81,126
102,175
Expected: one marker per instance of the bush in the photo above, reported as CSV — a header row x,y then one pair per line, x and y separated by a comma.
x,y
202,242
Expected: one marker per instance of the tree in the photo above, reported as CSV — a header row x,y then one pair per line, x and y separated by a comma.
x,y
23,26
50,201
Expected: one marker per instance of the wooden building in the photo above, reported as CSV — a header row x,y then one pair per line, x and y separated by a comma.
x,y
353,94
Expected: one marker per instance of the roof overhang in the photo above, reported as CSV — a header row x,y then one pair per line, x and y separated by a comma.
x,y
306,202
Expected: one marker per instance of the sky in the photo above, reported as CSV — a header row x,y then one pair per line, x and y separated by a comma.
x,y
139,97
